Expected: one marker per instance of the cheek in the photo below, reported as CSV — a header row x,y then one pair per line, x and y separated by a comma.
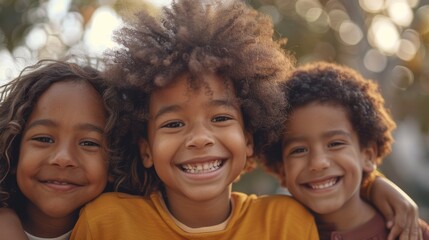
x,y
291,171
24,168
164,148
98,175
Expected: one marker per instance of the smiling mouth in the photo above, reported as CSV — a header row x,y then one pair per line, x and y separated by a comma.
x,y
324,184
205,167
56,182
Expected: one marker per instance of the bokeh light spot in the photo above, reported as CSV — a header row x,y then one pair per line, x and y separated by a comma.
x,y
98,36
375,61
71,28
303,6
401,77
372,6
400,12
407,50
57,9
336,18
313,14
350,33
36,38
384,35
272,11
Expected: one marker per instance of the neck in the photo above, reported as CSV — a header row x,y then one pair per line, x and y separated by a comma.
x,y
202,213
39,224
352,214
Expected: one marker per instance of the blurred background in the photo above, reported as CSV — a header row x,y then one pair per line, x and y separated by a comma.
x,y
385,40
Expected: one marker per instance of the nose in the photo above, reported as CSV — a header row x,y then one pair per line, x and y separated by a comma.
x,y
319,161
64,156
199,136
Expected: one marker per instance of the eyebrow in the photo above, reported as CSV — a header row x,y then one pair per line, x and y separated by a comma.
x,y
216,102
50,123
289,140
167,109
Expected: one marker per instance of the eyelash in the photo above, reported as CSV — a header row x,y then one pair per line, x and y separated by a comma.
x,y
298,150
89,144
221,118
175,124
49,140
43,139
335,144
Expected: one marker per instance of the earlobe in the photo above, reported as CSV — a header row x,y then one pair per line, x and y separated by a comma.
x,y
369,158
145,154
369,166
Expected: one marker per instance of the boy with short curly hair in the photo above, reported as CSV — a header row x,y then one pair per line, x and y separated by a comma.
x,y
337,132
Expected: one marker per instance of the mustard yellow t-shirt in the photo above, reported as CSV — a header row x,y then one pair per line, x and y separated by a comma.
x,y
122,216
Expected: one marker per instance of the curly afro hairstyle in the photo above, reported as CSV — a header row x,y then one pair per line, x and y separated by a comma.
x,y
341,86
227,38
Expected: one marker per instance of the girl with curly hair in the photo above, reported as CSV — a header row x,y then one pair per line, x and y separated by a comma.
x,y
59,134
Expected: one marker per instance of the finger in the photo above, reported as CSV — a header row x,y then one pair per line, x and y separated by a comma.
x,y
405,234
398,229
395,233
415,232
389,224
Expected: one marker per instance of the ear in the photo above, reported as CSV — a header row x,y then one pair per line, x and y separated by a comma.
x,y
282,174
249,144
369,157
145,153
250,159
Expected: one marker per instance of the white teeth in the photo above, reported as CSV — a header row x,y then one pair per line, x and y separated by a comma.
x,y
202,167
324,185
56,182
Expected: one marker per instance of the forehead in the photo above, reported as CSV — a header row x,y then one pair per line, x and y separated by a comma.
x,y
79,97
70,89
318,115
184,85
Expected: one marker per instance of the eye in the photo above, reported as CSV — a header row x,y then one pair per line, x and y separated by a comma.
x,y
43,139
175,124
221,118
89,144
335,144
298,150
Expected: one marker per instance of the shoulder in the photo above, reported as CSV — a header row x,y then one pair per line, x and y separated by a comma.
x,y
277,204
113,198
282,216
114,202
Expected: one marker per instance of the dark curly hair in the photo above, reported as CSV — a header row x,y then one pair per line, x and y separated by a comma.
x,y
227,38
17,101
342,86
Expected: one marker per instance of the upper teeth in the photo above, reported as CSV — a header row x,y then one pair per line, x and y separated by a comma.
x,y
329,183
56,182
202,167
